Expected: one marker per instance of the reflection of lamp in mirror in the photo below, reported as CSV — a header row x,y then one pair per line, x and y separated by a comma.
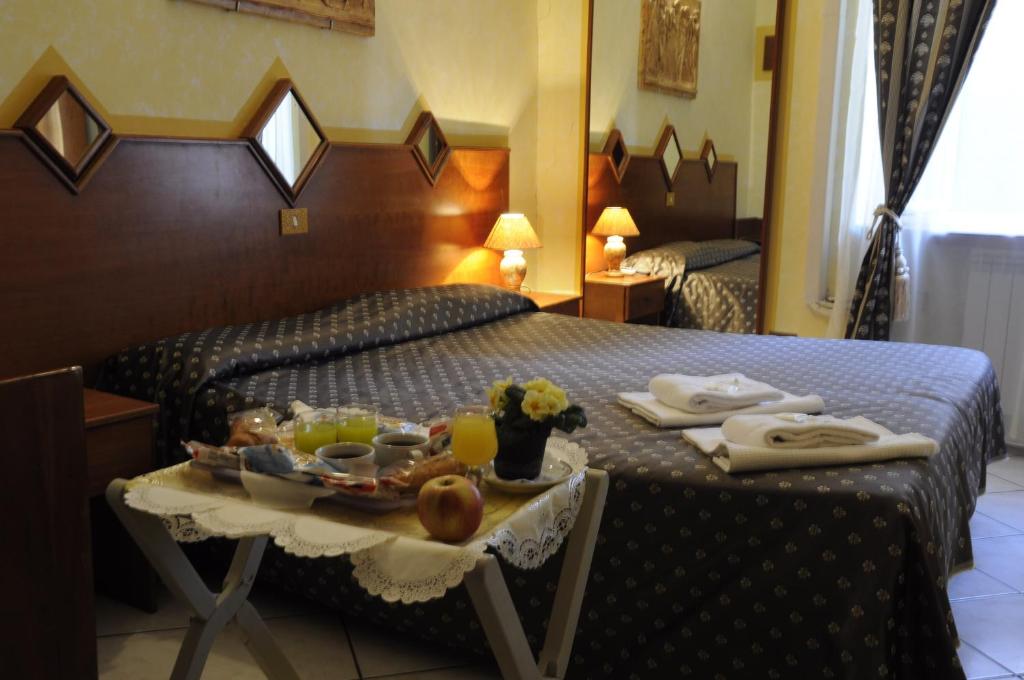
x,y
513,234
615,223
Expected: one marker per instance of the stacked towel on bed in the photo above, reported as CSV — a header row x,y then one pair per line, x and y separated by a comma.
x,y
710,394
792,440
685,401
798,431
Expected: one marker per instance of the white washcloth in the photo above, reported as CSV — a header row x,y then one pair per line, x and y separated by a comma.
x,y
712,393
798,431
647,406
739,458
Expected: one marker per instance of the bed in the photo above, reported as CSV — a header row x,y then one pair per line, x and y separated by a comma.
x,y
836,572
709,285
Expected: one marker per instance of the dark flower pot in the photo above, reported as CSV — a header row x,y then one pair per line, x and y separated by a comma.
x,y
521,451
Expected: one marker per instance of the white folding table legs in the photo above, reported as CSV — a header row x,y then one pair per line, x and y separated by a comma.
x,y
485,583
498,615
210,611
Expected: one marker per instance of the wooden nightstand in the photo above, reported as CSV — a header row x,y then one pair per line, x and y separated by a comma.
x,y
119,442
556,303
636,298
119,438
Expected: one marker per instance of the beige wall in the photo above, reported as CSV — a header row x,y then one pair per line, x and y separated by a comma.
x,y
725,88
798,166
562,27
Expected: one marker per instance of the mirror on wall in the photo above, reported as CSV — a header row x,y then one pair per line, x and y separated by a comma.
x,y
687,87
62,125
429,146
70,128
289,138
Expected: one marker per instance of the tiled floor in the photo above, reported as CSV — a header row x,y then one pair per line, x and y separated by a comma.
x,y
988,602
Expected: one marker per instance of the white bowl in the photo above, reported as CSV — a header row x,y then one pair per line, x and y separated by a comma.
x,y
274,492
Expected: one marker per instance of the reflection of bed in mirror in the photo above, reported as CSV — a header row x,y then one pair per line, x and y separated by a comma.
x,y
709,259
699,164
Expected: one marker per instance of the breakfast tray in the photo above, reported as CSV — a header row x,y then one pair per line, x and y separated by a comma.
x,y
392,554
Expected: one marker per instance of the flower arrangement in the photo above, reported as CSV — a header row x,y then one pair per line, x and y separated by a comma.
x,y
524,416
537,402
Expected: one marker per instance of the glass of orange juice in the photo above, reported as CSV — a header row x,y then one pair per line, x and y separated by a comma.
x,y
357,423
474,437
314,429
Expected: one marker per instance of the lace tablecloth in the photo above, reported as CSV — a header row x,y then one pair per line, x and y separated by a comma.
x,y
392,553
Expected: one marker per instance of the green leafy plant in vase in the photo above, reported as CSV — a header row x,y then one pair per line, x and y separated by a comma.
x,y
524,416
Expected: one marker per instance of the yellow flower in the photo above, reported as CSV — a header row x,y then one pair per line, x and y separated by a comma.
x,y
536,406
556,401
496,394
548,399
539,385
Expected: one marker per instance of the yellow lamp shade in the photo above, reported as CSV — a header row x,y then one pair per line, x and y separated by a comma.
x,y
615,222
512,231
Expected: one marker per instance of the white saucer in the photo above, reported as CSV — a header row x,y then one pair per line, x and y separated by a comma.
x,y
554,471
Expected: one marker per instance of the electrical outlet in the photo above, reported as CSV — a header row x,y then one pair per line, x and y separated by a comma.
x,y
294,221
670,199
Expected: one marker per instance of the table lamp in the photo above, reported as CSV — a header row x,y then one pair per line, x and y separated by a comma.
x,y
513,234
615,223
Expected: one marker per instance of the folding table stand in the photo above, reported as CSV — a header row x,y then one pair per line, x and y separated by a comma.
x,y
210,612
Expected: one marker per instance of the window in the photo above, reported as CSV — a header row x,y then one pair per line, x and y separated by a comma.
x,y
972,183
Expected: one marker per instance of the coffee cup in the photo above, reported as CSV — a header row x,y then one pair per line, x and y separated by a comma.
x,y
392,447
352,457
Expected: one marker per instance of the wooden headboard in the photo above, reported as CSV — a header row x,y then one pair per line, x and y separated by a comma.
x,y
172,235
703,210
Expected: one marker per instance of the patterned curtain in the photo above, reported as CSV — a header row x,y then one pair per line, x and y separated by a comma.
x,y
923,50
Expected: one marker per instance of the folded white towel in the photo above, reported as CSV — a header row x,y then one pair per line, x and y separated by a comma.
x,y
739,458
647,406
798,431
712,393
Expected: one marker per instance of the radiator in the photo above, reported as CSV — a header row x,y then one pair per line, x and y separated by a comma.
x,y
994,324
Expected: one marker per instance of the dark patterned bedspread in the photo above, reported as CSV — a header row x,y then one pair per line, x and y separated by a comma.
x,y
817,573
720,298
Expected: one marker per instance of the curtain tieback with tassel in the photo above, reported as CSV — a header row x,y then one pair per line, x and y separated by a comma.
x,y
900,290
881,212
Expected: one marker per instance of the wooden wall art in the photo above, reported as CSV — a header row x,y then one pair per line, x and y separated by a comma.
x,y
669,46
349,16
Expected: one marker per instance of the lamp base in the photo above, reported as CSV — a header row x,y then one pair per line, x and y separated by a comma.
x,y
614,253
513,269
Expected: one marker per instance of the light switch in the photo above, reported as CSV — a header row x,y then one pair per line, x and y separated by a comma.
x,y
294,221
670,199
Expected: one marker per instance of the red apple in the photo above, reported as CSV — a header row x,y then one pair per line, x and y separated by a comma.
x,y
450,508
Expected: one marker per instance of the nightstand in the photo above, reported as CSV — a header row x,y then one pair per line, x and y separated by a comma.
x,y
556,303
119,442
119,438
638,298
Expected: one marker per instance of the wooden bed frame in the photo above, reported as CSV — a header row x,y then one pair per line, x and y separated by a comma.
x,y
172,235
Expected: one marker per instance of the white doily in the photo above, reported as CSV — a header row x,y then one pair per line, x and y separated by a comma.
x,y
397,568
536,531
